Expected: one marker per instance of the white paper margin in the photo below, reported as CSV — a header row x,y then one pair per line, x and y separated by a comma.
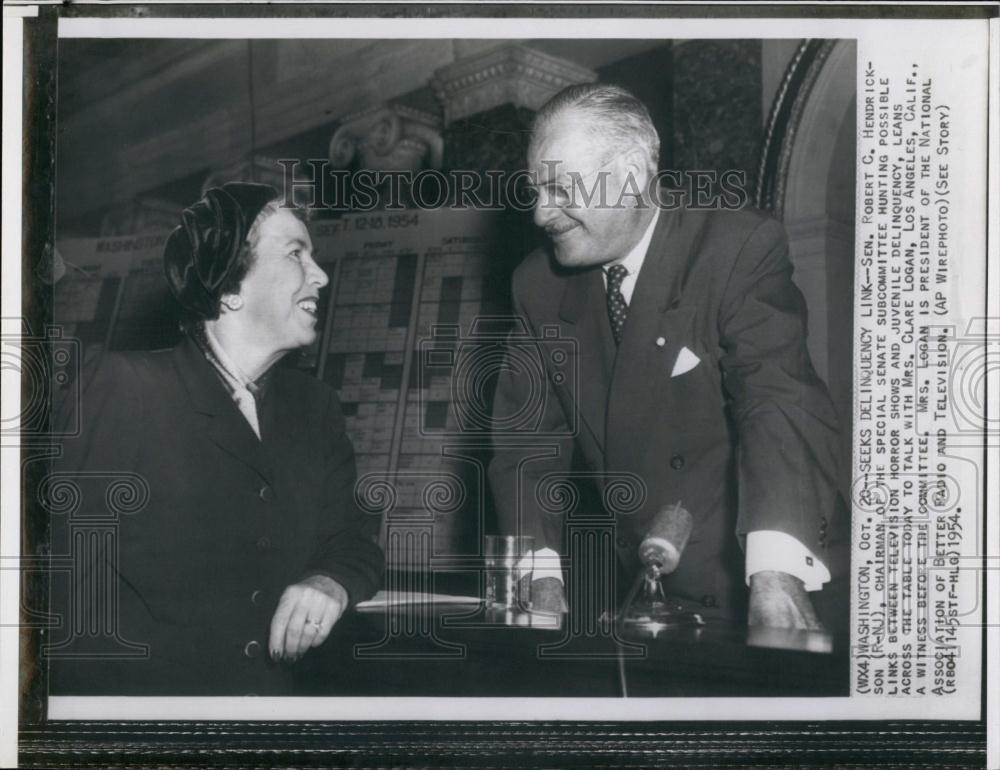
x,y
871,35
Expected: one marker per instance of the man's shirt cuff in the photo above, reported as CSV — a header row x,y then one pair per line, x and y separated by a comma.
x,y
547,565
768,549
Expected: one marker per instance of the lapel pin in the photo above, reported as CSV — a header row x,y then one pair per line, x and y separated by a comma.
x,y
660,342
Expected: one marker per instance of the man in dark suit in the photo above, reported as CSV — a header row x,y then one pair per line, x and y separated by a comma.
x,y
232,544
692,374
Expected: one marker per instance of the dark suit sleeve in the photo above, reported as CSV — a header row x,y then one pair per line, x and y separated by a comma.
x,y
785,420
515,473
343,552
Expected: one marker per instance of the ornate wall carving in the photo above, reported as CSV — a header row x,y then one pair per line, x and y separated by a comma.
x,y
388,137
509,74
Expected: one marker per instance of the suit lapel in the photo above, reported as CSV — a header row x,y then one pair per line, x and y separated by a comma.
x,y
284,424
652,339
223,422
582,301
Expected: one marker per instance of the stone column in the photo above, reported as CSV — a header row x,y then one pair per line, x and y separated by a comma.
x,y
384,138
490,98
717,118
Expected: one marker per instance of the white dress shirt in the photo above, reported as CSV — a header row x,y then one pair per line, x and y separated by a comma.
x,y
241,388
765,549
633,260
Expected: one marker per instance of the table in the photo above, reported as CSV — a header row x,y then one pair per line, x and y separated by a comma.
x,y
455,650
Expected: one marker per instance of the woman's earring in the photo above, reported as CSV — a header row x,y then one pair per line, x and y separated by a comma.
x,y
233,302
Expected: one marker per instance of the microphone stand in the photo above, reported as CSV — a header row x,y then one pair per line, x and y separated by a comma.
x,y
647,611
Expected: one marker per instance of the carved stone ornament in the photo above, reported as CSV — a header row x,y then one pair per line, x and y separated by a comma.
x,y
388,137
510,74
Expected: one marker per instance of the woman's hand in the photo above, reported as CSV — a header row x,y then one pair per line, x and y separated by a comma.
x,y
306,612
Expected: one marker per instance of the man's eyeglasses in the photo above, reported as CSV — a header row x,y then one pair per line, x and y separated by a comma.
x,y
560,195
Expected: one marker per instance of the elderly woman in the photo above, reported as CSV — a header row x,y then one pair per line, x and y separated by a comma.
x,y
247,545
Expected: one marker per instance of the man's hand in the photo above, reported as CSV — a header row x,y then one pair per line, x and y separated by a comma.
x,y
547,596
779,600
306,613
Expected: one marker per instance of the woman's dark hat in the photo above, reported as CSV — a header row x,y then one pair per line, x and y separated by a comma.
x,y
202,252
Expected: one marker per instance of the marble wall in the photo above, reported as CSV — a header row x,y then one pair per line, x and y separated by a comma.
x,y
717,106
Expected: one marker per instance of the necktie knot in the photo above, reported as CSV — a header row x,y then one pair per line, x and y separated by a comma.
x,y
617,307
616,275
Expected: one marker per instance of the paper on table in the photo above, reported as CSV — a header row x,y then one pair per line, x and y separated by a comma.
x,y
399,598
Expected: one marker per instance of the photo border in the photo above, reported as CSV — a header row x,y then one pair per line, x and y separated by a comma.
x,y
49,743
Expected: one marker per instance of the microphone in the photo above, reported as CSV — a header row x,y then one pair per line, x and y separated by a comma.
x,y
668,534
648,610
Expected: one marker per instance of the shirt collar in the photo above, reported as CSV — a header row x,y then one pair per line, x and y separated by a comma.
x,y
231,374
634,259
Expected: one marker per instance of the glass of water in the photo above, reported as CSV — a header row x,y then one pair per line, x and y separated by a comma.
x,y
509,564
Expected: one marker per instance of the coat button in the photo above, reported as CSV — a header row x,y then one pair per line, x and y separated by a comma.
x,y
266,493
255,597
252,648
263,544
709,600
677,462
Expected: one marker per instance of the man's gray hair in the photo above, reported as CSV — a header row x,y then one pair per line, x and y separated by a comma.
x,y
611,113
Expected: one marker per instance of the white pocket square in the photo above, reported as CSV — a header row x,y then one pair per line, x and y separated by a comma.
x,y
686,361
